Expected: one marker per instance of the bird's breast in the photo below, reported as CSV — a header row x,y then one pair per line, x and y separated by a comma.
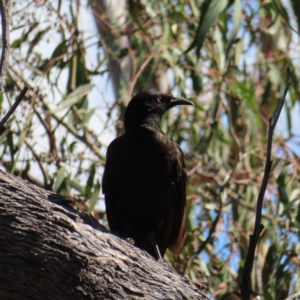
x,y
146,156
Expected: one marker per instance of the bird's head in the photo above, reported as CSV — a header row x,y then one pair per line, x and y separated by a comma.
x,y
147,108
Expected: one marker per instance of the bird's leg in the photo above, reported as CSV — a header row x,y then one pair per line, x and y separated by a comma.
x,y
128,239
156,249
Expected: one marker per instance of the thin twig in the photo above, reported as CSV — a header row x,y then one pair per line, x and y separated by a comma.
x,y
12,109
92,145
38,160
5,8
140,71
293,296
258,227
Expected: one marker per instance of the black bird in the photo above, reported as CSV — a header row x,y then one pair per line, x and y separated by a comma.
x,y
144,180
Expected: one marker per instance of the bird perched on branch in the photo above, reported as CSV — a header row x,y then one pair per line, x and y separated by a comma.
x,y
144,180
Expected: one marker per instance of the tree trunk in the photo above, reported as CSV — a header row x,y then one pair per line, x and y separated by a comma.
x,y
50,251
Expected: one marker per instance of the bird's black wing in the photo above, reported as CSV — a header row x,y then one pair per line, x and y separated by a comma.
x,y
113,182
144,184
175,225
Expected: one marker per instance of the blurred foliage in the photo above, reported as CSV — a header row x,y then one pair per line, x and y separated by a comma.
x,y
229,58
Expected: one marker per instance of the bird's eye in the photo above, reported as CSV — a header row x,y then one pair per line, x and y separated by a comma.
x,y
158,99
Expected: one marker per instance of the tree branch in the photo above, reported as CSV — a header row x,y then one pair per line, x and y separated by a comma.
x,y
12,109
5,9
245,284
54,252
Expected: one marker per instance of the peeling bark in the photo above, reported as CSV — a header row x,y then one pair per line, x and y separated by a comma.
x,y
50,251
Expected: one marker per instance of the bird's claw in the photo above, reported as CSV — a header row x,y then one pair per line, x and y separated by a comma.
x,y
130,241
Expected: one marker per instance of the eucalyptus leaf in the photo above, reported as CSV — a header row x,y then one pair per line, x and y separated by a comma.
x,y
75,96
94,197
60,177
210,11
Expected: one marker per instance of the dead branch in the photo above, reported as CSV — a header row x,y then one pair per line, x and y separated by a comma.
x,y
12,109
245,284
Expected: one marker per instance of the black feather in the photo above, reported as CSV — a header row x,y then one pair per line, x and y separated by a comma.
x,y
145,179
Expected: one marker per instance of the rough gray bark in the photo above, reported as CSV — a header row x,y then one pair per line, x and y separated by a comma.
x,y
4,10
50,251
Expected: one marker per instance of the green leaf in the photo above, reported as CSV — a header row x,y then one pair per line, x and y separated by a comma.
x,y
211,206
16,44
236,23
59,5
234,105
238,51
288,118
275,74
24,132
88,115
210,11
197,78
60,49
123,52
72,147
194,8
219,45
77,186
246,93
281,181
10,142
296,7
75,96
179,74
90,181
134,15
61,175
94,197
295,195
1,100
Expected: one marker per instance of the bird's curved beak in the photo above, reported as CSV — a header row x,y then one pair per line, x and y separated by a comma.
x,y
179,101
